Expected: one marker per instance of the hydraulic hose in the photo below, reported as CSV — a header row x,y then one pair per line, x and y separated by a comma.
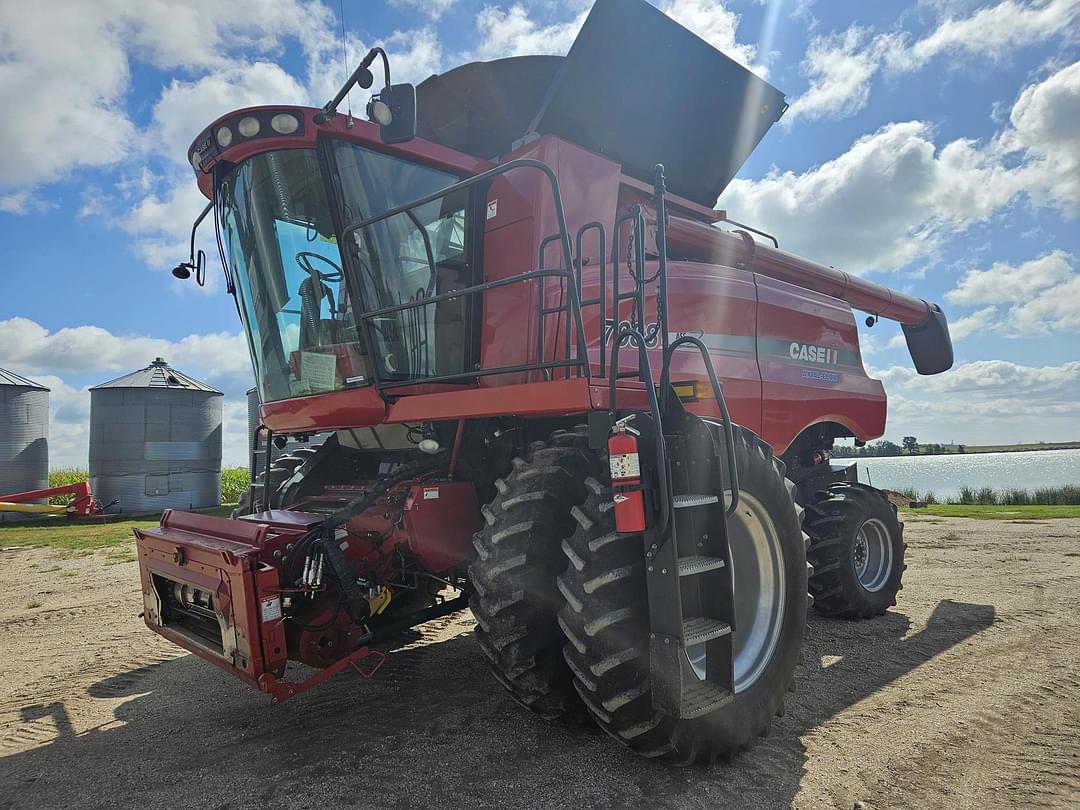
x,y
322,536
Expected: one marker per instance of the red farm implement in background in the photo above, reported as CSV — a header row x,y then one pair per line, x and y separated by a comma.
x,y
557,387
83,506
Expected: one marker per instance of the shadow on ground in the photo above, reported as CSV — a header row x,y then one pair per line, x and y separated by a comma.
x,y
432,728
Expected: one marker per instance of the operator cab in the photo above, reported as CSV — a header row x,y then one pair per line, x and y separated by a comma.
x,y
301,307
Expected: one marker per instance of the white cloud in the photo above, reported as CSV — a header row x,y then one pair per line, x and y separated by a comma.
x,y
716,25
1005,283
993,31
50,357
434,9
1056,309
514,33
89,349
68,64
21,202
1043,295
186,107
69,422
164,206
893,196
1044,126
416,54
979,402
976,323
884,203
160,224
841,67
65,65
992,378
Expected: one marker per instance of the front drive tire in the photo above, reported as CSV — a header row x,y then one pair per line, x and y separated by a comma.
x,y
515,601
606,622
857,549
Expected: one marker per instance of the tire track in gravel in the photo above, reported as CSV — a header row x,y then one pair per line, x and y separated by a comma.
x,y
1013,753
120,660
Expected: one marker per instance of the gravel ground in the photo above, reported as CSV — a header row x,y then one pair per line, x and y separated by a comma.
x,y
967,694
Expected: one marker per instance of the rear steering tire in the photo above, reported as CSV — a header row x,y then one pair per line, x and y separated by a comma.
x,y
606,619
857,549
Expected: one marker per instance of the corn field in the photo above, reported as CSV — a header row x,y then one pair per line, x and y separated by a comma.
x,y
234,482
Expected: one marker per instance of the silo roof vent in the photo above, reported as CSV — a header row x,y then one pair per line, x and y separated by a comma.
x,y
159,374
11,378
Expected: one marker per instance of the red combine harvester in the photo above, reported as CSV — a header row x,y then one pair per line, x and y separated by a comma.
x,y
557,391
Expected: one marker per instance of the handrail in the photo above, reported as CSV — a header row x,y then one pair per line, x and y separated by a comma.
x,y
541,332
718,392
520,163
269,462
660,189
601,300
635,216
563,237
581,361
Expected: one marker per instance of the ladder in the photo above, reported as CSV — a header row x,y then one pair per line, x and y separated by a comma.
x,y
689,572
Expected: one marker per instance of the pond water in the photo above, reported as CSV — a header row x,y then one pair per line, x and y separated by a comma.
x,y
944,475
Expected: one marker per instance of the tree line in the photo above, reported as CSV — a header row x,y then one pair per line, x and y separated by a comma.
x,y
884,447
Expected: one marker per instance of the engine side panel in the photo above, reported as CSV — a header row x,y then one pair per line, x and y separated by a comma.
x,y
717,305
811,367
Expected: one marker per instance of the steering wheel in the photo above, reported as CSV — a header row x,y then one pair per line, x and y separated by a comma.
x,y
304,259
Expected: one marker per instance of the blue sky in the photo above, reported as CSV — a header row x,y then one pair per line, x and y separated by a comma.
x,y
931,145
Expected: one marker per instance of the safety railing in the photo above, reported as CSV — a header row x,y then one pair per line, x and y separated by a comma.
x,y
574,362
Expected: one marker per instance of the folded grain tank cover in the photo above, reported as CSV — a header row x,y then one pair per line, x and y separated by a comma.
x,y
635,86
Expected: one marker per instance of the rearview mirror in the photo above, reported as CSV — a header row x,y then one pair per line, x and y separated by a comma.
x,y
394,110
197,262
200,268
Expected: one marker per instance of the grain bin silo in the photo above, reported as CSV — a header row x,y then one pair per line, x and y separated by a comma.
x,y
155,441
24,434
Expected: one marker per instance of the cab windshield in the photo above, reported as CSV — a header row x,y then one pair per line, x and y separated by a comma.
x,y
301,323
294,296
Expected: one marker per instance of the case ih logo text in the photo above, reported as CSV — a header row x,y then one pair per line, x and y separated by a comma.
x,y
812,354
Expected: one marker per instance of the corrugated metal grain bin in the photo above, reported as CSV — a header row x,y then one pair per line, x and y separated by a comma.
x,y
24,434
155,441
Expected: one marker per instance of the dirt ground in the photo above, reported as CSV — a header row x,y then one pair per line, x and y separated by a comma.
x,y
967,694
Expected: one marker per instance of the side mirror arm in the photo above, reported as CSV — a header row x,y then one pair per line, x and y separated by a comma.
x,y
196,262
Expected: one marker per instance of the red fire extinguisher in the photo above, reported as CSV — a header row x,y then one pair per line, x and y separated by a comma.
x,y
626,480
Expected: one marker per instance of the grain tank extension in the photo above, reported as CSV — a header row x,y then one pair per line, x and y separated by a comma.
x,y
556,387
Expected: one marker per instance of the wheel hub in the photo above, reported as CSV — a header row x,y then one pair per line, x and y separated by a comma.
x,y
757,570
872,555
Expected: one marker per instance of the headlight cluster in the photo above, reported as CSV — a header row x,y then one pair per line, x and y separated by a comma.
x,y
260,123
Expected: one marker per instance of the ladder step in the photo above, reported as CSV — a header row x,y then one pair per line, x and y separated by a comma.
x,y
699,630
702,698
687,501
690,566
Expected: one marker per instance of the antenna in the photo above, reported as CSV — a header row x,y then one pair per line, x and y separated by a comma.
x,y
345,59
